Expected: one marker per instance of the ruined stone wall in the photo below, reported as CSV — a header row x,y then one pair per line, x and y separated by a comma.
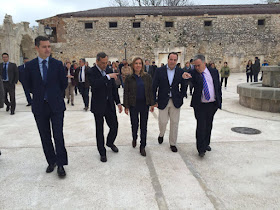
x,y
234,39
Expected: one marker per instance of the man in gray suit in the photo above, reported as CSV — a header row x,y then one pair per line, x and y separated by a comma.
x,y
9,73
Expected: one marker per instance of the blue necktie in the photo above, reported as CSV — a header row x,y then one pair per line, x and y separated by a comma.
x,y
205,88
5,72
45,71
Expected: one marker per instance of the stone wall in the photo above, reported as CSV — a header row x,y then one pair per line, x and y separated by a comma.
x,y
231,38
17,40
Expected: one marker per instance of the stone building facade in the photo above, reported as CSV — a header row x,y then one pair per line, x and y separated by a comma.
x,y
232,33
17,40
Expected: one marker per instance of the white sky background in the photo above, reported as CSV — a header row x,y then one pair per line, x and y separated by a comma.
x,y
31,10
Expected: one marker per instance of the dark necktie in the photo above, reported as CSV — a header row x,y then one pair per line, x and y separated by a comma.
x,y
205,88
81,74
45,71
5,72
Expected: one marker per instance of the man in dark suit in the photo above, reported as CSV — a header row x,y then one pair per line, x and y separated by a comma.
x,y
104,98
149,68
21,70
46,80
256,69
206,99
82,81
9,73
169,90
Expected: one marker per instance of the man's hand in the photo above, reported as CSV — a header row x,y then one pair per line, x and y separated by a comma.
x,y
120,108
152,109
156,105
113,75
126,110
186,75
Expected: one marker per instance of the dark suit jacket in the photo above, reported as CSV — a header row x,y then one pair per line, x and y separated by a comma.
x,y
101,89
151,70
197,82
12,72
55,86
2,93
21,74
76,77
161,85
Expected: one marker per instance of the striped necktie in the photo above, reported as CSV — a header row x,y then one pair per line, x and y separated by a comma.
x,y
205,88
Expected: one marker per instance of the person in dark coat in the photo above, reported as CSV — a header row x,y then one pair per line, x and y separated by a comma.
x,y
138,96
206,100
256,69
21,70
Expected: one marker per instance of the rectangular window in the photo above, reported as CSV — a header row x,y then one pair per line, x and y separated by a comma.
x,y
88,26
136,25
261,22
113,24
168,24
207,23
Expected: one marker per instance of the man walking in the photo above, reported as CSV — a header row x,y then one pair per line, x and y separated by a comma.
x,y
9,73
169,90
104,97
206,99
46,80
21,70
82,81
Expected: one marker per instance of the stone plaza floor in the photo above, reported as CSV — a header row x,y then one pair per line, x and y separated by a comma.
x,y
241,172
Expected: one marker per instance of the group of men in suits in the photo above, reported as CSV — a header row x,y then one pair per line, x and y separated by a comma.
x,y
45,78
169,86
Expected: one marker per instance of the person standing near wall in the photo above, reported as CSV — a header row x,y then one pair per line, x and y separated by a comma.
x,y
225,72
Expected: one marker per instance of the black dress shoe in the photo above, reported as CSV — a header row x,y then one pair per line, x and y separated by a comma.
x,y
72,104
208,148
134,143
50,168
68,101
142,151
12,112
160,140
173,148
7,108
60,171
114,148
86,108
103,159
28,105
201,154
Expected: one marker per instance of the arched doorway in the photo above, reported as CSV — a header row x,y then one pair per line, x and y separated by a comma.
x,y
27,48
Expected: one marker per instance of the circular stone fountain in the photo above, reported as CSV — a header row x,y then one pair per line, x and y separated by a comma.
x,y
263,96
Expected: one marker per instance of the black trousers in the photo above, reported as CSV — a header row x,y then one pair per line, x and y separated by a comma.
x,y
256,77
27,95
222,79
46,122
84,91
189,83
204,116
10,89
249,76
112,122
143,111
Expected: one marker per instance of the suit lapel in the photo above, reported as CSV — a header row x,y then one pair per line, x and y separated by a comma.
x,y
166,75
50,69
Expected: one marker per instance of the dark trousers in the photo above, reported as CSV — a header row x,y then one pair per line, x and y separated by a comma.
x,y
143,111
84,91
189,83
10,89
76,90
44,122
222,79
204,116
249,76
256,77
112,122
27,95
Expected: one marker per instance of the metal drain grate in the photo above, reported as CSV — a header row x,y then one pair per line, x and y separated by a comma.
x,y
245,130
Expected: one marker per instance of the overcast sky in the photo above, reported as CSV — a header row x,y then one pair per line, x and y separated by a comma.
x,y
31,10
